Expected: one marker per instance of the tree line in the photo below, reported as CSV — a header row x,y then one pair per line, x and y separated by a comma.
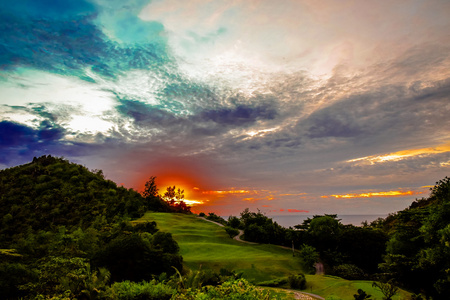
x,y
410,248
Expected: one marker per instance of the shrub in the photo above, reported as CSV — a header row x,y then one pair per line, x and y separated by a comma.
x,y
232,232
274,282
129,290
309,257
297,281
361,295
235,289
234,222
348,271
388,289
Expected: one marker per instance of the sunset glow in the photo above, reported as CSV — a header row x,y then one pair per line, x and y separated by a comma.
x,y
374,194
241,104
404,154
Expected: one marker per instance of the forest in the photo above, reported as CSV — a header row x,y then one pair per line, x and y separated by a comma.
x,y
67,233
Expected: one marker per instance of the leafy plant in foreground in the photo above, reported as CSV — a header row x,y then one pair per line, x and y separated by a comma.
x,y
362,295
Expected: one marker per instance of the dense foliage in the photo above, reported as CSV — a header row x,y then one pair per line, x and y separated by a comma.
x,y
51,191
418,250
345,250
410,248
65,233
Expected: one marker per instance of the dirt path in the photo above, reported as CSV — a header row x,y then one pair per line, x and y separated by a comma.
x,y
297,294
306,296
237,238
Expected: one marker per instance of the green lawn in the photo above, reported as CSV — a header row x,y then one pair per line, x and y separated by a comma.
x,y
206,245
327,286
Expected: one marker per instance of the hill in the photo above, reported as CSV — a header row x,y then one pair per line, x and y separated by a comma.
x,y
51,191
65,233
206,245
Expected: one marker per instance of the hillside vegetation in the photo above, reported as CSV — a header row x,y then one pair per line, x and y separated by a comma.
x,y
66,233
206,245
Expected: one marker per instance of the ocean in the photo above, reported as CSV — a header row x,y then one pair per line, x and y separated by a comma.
x,y
356,220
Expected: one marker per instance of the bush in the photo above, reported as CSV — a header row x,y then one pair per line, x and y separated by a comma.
x,y
348,271
309,257
274,283
234,222
235,289
232,232
297,281
129,290
361,295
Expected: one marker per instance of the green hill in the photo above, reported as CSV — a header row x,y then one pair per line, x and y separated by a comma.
x,y
206,245
51,191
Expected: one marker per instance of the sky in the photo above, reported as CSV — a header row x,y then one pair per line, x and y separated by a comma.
x,y
289,107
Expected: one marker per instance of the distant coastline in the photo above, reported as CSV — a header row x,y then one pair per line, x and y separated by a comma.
x,y
356,220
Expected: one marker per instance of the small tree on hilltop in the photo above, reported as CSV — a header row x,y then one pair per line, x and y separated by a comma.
x,y
174,197
169,195
387,288
151,190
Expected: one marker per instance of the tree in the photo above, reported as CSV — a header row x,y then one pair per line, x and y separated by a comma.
x,y
387,288
234,222
151,190
232,232
169,195
309,257
179,195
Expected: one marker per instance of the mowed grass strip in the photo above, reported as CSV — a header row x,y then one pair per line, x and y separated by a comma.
x,y
207,245
328,286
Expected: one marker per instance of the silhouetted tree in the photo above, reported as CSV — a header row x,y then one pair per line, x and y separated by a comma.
x,y
151,190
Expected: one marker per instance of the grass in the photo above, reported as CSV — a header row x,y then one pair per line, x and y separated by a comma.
x,y
328,286
207,245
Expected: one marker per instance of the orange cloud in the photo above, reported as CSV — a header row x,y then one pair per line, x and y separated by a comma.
x,y
299,194
297,211
227,192
399,155
374,194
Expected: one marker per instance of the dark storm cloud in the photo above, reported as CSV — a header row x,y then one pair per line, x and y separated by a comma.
x,y
20,140
239,115
199,122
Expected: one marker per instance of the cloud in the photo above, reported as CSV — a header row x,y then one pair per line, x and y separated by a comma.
x,y
69,44
297,211
239,115
19,140
374,194
400,155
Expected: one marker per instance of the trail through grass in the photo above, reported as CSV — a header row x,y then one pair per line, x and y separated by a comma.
x,y
206,245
